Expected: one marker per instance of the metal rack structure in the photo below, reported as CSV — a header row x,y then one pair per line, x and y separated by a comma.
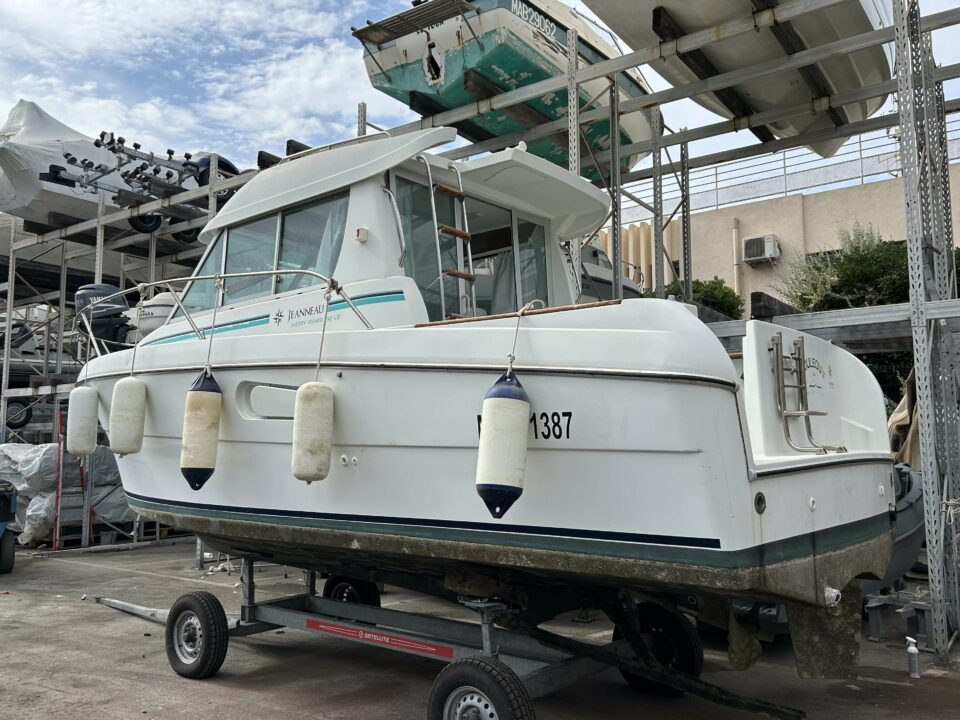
x,y
931,316
926,323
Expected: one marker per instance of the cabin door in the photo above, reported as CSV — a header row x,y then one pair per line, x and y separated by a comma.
x,y
421,235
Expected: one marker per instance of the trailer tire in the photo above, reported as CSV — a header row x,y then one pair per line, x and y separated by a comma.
x,y
479,686
344,589
7,552
196,635
676,645
19,414
146,223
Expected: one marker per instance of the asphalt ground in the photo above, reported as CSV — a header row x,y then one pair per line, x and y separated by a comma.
x,y
63,656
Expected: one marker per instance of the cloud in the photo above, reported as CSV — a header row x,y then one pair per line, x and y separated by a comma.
x,y
234,76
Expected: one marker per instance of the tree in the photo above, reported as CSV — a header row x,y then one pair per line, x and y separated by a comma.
x,y
715,294
863,272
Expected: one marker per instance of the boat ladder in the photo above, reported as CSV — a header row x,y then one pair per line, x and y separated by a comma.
x,y
790,374
462,236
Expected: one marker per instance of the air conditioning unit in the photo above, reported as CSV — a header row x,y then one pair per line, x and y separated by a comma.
x,y
763,249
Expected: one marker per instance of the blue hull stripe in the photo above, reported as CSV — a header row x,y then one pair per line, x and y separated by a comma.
x,y
259,320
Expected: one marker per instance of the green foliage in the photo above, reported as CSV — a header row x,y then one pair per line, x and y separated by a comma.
x,y
865,271
715,294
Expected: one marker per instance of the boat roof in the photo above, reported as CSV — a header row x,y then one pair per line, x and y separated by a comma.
x,y
317,172
514,177
576,206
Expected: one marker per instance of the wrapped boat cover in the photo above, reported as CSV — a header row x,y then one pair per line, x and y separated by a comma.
x,y
33,471
30,141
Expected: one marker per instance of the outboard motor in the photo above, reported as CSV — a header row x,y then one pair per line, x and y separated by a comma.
x,y
107,319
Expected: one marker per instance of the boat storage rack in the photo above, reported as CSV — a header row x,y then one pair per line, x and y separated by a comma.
x,y
492,672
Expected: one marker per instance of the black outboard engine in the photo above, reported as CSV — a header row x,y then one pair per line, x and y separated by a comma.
x,y
106,318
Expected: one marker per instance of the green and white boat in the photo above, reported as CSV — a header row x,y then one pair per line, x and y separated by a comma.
x,y
443,54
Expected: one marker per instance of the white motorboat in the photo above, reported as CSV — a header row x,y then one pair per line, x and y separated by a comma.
x,y
645,23
650,464
443,54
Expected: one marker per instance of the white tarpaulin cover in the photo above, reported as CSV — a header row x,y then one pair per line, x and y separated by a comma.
x,y
32,140
33,471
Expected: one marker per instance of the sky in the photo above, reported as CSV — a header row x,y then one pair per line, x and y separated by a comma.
x,y
232,76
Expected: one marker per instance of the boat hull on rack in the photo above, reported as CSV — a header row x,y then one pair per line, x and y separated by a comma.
x,y
632,20
517,43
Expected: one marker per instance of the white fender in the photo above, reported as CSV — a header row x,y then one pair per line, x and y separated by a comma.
x,y
82,421
128,411
312,432
201,431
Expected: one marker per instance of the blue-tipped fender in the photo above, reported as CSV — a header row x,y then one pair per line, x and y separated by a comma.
x,y
502,456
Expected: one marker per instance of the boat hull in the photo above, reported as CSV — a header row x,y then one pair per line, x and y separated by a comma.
x,y
509,52
296,542
631,19
636,476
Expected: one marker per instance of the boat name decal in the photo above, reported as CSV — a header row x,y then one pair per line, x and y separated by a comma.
x,y
538,20
301,316
546,425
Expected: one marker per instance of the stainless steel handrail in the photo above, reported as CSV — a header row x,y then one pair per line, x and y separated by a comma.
x,y
436,235
396,217
331,283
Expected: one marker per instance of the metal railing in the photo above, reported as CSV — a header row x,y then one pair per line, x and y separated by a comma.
x,y
862,159
86,314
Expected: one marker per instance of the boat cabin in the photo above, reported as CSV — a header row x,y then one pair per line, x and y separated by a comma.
x,y
464,239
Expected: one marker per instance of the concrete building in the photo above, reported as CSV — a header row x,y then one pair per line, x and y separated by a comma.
x,y
802,224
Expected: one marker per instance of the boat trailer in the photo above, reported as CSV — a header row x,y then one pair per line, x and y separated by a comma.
x,y
492,672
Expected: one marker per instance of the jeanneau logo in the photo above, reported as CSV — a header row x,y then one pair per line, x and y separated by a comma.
x,y
297,317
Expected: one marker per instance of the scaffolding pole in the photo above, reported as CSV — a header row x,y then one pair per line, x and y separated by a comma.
x,y
616,197
916,162
685,219
8,329
656,131
573,142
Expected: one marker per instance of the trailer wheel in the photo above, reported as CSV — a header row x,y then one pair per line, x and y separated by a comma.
x,y
197,635
346,589
146,223
7,552
479,687
675,644
19,414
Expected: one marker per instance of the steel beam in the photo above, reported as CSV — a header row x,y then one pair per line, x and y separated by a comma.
x,y
8,329
880,122
573,142
685,220
147,208
719,82
98,253
361,119
656,132
616,206
912,107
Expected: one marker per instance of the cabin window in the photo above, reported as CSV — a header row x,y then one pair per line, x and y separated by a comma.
x,y
420,233
311,240
532,255
492,245
250,248
202,294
